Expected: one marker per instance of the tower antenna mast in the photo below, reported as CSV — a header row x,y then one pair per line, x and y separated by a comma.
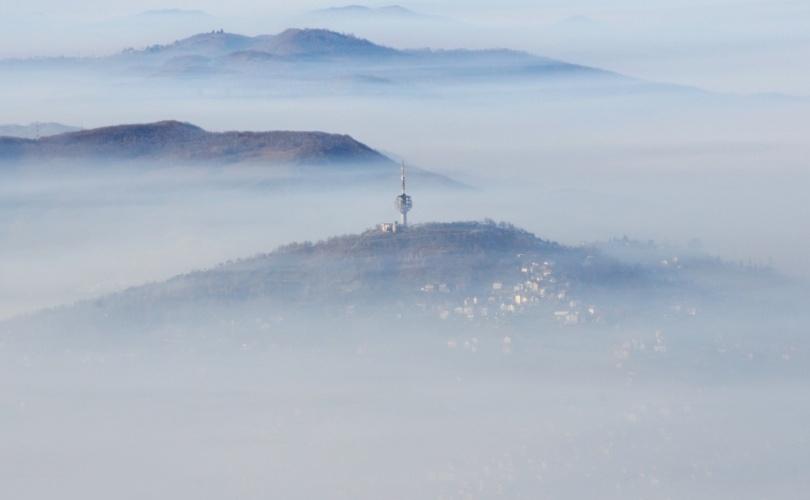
x,y
404,202
402,176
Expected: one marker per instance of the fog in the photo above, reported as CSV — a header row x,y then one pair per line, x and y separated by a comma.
x,y
711,410
702,150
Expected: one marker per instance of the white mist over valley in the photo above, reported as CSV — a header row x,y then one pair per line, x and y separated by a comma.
x,y
209,286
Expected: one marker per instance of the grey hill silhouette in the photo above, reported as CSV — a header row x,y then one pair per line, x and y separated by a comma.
x,y
309,158
316,54
178,141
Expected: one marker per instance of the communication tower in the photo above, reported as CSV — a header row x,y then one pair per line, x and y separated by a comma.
x,y
404,203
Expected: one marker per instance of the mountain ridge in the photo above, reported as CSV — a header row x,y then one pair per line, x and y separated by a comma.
x,y
177,141
290,42
223,51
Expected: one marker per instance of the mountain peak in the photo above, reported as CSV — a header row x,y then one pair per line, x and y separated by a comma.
x,y
317,41
289,43
166,129
211,43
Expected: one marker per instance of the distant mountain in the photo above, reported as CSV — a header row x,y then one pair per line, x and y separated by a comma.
x,y
182,142
178,143
292,43
331,56
319,60
213,44
313,42
35,130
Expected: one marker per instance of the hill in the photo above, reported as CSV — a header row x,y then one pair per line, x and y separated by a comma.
x,y
291,43
473,272
300,60
319,159
177,142
371,266
324,54
319,43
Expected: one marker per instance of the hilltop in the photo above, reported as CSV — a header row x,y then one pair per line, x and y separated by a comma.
x,y
291,43
183,142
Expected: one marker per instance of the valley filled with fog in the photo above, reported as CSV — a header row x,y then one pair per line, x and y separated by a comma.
x,y
197,299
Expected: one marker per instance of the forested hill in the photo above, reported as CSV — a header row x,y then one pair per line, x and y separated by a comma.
x,y
183,142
